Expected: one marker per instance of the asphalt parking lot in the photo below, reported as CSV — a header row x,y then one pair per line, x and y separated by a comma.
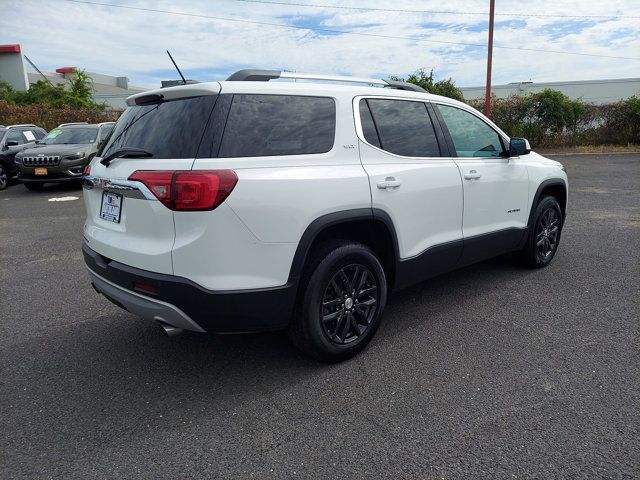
x,y
488,372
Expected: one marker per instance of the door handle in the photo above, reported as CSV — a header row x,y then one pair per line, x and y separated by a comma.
x,y
389,183
472,175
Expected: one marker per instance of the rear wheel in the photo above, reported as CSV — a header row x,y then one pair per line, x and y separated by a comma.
x,y
341,306
34,187
544,234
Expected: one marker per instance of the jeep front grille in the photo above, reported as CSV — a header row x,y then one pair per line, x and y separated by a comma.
x,y
44,160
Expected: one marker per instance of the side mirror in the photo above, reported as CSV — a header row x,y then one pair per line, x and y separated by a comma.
x,y
519,146
11,143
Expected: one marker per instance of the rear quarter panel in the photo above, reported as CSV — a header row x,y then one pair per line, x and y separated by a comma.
x,y
275,199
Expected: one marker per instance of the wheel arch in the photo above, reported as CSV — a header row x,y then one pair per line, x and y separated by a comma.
x,y
554,187
371,227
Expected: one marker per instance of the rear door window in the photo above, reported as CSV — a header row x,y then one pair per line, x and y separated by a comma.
x,y
368,127
404,127
170,129
267,125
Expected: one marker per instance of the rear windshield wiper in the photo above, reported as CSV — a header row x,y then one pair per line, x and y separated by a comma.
x,y
125,152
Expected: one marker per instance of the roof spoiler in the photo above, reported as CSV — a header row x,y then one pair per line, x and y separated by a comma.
x,y
253,75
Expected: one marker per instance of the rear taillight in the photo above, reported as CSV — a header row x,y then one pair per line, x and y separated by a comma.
x,y
188,190
87,170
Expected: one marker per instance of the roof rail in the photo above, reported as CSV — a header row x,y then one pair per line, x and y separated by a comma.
x,y
251,75
72,123
21,125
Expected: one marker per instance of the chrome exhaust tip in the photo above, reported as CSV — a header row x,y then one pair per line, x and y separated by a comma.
x,y
170,330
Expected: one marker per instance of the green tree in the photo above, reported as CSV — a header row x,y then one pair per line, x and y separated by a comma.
x,y
79,94
630,113
446,87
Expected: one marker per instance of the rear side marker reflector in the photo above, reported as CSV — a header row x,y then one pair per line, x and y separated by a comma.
x,y
145,287
188,190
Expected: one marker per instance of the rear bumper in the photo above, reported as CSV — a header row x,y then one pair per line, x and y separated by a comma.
x,y
143,306
183,304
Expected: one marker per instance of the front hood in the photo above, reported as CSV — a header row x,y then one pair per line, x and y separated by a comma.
x,y
61,150
544,160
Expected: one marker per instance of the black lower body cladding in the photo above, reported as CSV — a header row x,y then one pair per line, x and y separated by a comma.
x,y
215,311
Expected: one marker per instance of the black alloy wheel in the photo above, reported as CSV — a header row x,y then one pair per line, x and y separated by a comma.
x,y
544,234
547,231
342,298
4,177
349,304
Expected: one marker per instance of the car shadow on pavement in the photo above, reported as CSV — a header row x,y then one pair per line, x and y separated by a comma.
x,y
48,189
111,375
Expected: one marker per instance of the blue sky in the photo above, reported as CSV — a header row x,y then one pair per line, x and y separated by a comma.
x,y
132,43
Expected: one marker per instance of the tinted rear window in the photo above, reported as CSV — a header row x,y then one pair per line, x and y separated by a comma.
x,y
171,129
262,125
405,128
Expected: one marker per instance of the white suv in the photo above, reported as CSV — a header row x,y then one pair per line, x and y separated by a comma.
x,y
249,205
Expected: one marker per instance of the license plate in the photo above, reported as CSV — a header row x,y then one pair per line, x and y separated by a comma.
x,y
111,207
40,171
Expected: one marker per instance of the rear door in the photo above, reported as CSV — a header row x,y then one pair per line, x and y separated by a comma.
x,y
125,221
412,182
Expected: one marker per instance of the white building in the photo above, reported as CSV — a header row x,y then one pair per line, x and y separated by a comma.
x,y
15,70
589,91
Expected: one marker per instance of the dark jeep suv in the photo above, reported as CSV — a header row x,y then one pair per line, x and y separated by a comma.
x,y
14,139
62,155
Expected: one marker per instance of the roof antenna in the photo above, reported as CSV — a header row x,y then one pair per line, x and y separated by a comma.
x,y
175,65
38,70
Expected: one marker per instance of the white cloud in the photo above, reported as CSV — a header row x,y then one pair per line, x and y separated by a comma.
x,y
128,42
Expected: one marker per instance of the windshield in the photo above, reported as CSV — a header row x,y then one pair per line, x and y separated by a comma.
x,y
170,129
59,136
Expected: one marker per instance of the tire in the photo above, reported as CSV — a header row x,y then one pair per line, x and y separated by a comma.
x,y
327,325
4,177
544,234
34,187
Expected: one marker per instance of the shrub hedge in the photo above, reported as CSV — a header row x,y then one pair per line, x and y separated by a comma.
x,y
548,118
49,117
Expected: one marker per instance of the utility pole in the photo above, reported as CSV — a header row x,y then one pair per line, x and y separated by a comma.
x,y
487,95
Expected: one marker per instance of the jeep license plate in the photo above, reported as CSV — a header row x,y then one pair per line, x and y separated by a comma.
x,y
111,207
40,171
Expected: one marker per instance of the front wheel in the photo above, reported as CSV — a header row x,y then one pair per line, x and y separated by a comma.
x,y
544,235
4,177
340,309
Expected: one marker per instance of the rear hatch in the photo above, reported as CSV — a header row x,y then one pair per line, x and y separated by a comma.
x,y
125,220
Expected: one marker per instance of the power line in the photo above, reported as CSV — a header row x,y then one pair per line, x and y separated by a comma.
x,y
345,32
435,12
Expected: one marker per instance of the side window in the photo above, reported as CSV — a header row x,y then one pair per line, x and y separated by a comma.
x,y
471,136
104,132
404,127
40,134
368,127
263,125
103,137
15,136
